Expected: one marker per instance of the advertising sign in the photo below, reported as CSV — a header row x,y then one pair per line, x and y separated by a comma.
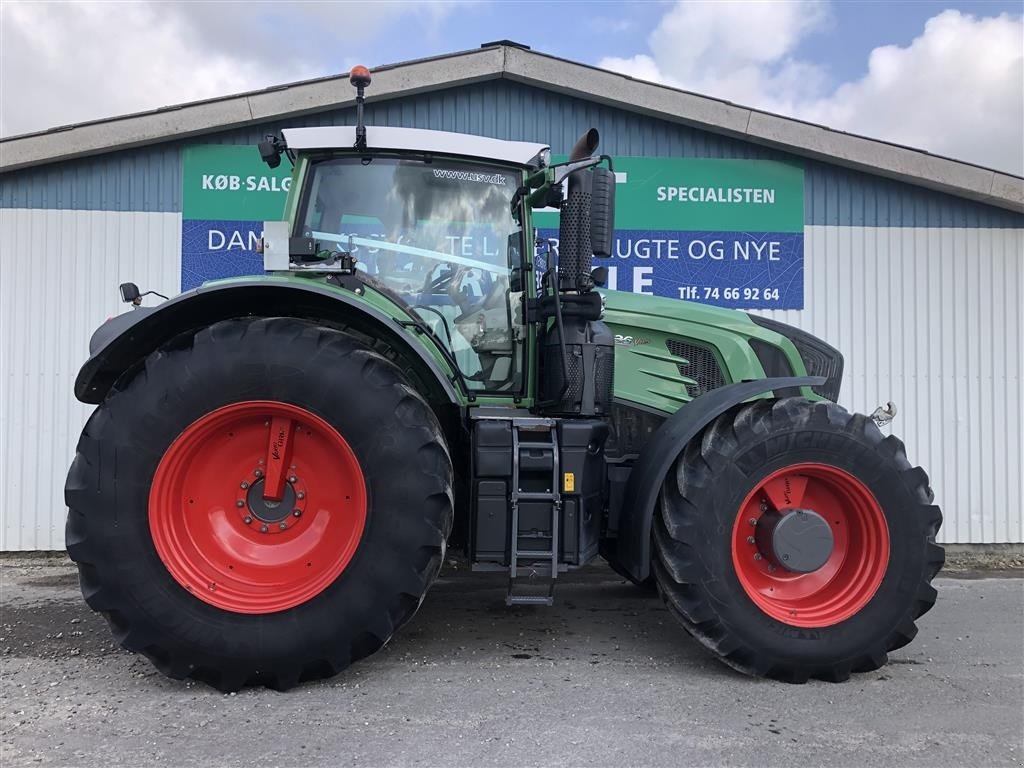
x,y
723,232
227,193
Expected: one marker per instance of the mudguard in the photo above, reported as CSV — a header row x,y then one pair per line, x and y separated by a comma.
x,y
123,341
633,552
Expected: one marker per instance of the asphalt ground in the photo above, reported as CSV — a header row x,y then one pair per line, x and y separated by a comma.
x,y
605,677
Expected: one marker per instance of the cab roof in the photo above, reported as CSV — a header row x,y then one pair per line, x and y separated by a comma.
x,y
416,140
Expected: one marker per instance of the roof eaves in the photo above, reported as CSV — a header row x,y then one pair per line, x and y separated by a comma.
x,y
788,134
196,118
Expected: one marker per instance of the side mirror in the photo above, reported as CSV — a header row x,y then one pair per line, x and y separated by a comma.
x,y
130,293
270,151
602,212
512,246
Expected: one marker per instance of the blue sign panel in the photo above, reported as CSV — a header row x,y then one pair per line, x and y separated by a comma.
x,y
212,250
740,270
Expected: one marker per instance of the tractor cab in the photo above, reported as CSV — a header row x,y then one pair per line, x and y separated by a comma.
x,y
440,224
432,220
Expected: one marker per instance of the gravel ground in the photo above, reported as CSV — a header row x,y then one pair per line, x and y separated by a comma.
x,y
604,677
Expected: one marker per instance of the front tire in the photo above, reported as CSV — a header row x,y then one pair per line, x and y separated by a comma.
x,y
193,559
855,599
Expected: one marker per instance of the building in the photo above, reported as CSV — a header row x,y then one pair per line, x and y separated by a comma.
x,y
911,264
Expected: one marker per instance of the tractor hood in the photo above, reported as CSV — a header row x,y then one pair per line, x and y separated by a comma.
x,y
667,351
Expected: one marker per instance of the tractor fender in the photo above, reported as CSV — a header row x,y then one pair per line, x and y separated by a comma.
x,y
123,341
633,550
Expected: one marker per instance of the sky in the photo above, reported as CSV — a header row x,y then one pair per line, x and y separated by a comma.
x,y
947,77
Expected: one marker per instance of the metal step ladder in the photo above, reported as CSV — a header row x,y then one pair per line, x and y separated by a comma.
x,y
531,429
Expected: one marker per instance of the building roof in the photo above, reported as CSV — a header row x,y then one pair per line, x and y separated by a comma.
x,y
504,59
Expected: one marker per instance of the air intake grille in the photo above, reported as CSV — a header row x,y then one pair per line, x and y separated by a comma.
x,y
820,359
699,364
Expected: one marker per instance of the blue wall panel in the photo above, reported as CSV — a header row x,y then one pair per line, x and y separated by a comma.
x,y
149,178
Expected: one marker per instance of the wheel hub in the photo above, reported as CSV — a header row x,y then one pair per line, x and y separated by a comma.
x,y
799,540
267,510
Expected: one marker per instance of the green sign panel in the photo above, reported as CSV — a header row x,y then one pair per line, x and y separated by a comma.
x,y
705,195
226,182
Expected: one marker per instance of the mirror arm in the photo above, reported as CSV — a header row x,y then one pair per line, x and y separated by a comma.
x,y
563,171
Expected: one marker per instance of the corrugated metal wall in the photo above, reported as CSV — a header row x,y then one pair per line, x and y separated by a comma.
x,y
921,290
932,320
59,274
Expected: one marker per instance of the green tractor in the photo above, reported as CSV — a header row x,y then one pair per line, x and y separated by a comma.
x,y
276,464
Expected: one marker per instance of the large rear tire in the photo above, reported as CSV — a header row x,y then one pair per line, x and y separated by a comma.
x,y
855,598
262,502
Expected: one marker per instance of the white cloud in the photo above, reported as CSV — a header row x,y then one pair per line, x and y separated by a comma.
x,y
69,62
957,89
740,51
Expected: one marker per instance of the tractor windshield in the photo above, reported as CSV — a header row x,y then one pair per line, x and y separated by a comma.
x,y
440,235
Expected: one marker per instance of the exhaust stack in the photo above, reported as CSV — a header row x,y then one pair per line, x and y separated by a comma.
x,y
577,372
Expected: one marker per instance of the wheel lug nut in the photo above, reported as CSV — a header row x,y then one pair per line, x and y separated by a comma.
x,y
264,529
240,503
752,521
771,569
750,539
282,526
301,494
258,473
292,478
244,485
248,519
757,556
297,513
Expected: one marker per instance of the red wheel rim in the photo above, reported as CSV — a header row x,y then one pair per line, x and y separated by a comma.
x,y
858,561
257,507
